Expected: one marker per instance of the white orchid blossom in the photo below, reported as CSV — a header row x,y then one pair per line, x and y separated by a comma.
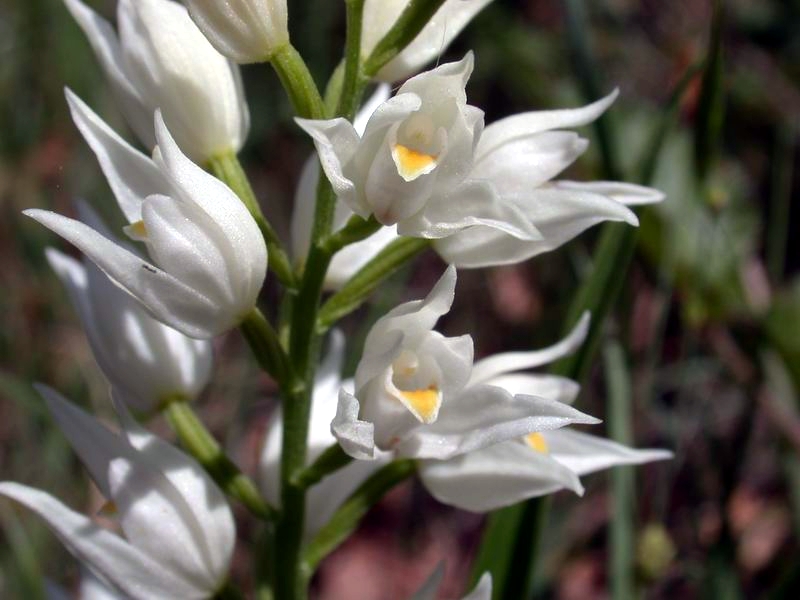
x,y
485,197
209,258
162,60
435,37
537,463
347,261
325,497
430,589
518,156
145,361
412,392
409,167
246,31
178,530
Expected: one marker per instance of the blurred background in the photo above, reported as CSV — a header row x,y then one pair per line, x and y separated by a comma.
x,y
701,353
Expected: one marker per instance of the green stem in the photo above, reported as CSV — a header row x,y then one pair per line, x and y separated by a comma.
x,y
266,346
371,275
226,167
354,81
349,514
229,592
298,83
354,231
329,461
199,442
414,17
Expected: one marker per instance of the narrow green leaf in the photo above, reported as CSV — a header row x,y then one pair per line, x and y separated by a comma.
x,y
618,394
371,275
710,112
349,514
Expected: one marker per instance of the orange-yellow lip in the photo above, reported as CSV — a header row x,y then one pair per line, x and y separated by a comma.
x,y
411,164
424,402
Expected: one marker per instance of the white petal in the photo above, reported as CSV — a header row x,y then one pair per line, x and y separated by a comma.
x,y
124,566
483,590
529,123
485,415
553,387
170,300
336,141
508,362
378,97
496,476
559,215
240,239
585,453
131,175
474,203
245,30
628,194
525,163
107,49
93,588
356,437
348,261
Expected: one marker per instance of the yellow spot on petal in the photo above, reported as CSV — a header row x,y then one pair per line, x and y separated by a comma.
x,y
424,402
109,509
537,442
136,231
411,164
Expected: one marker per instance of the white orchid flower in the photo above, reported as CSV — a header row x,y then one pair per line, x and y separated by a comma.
x,y
412,394
347,261
209,258
91,588
245,31
325,497
162,60
534,464
178,530
410,165
430,589
519,155
435,37
145,361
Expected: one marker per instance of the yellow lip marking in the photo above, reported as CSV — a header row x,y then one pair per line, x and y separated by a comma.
x,y
109,509
136,231
424,402
411,164
537,442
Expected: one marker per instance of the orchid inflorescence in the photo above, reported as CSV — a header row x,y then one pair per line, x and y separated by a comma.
x,y
411,170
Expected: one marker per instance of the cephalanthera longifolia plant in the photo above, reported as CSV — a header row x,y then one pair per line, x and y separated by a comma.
x,y
394,174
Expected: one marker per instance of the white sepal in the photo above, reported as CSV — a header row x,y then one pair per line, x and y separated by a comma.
x,y
209,257
162,60
144,360
245,31
179,531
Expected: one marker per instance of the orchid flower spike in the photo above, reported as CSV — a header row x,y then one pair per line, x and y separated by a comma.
x,y
531,464
145,361
162,60
349,260
430,589
413,394
325,497
409,166
246,31
178,530
209,258
435,37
